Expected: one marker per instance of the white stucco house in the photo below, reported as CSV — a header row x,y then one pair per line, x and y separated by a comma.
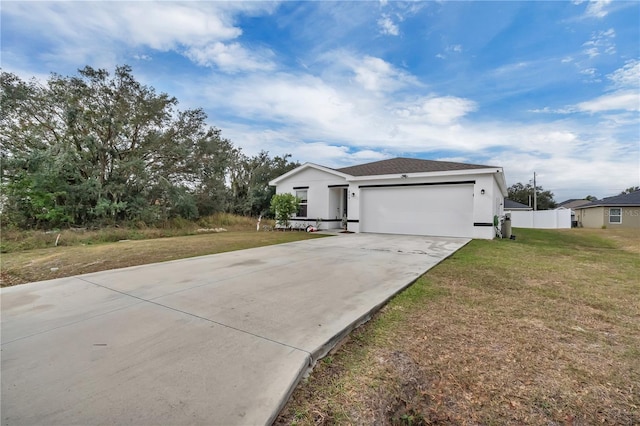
x,y
399,196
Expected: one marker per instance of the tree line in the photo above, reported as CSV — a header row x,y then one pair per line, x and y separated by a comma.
x,y
99,148
523,194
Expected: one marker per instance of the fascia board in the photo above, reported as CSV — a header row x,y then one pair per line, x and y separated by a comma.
x,y
607,205
427,174
279,179
502,181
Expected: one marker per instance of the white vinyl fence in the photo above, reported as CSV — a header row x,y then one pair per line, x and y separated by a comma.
x,y
542,219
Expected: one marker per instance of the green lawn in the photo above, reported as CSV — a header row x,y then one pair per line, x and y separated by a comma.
x,y
541,330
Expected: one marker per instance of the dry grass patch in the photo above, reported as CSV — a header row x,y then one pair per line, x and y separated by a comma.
x,y
12,240
541,330
56,262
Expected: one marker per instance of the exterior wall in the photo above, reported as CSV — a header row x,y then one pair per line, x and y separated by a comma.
x,y
325,202
485,206
318,196
597,217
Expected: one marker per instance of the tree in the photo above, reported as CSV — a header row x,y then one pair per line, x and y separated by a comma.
x,y
283,206
524,194
250,176
630,190
96,148
591,198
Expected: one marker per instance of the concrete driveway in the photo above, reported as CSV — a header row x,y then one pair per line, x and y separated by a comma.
x,y
219,339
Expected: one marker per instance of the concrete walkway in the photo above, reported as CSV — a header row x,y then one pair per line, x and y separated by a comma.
x,y
219,339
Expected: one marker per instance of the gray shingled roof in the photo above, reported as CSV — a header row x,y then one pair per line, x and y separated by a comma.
x,y
510,204
632,199
407,165
572,203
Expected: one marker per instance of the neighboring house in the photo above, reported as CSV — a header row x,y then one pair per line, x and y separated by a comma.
x,y
572,203
621,211
510,206
399,196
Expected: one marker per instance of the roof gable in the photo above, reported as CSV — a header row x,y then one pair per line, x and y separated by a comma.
x,y
407,165
572,203
631,199
304,167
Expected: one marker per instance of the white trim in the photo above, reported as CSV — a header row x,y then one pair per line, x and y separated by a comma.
x,y
277,180
426,174
620,215
501,180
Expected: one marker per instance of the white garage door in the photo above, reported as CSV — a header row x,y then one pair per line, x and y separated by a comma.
x,y
439,210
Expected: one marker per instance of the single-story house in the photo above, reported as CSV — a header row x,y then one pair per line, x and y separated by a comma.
x,y
399,196
514,206
620,211
570,204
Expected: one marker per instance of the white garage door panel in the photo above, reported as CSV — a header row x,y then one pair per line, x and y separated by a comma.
x,y
445,210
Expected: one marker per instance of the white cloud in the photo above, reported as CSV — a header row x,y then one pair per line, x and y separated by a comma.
x,y
591,74
623,100
84,31
627,76
625,97
600,42
387,26
230,57
597,8
370,73
335,123
375,74
437,110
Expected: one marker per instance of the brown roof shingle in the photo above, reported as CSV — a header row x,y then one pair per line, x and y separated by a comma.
x,y
407,165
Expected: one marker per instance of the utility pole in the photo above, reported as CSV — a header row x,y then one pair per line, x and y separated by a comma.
x,y
535,193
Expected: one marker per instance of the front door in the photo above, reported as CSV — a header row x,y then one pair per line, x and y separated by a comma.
x,y
345,202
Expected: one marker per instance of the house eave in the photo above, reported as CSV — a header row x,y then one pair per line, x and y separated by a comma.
x,y
606,205
305,166
425,174
502,184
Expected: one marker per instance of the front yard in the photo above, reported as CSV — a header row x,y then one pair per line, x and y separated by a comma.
x,y
20,267
541,330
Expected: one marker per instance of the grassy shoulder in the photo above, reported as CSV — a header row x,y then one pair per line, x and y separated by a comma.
x,y
12,240
55,262
541,330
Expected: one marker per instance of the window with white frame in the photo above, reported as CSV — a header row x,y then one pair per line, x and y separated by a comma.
x,y
302,205
615,215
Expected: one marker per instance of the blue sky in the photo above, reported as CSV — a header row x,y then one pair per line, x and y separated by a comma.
x,y
551,87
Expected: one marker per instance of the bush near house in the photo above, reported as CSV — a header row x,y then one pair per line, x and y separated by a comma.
x,y
283,206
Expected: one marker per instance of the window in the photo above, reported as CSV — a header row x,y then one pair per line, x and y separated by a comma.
x,y
302,206
615,215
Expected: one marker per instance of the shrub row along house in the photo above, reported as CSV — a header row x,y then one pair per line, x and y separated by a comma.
x,y
399,196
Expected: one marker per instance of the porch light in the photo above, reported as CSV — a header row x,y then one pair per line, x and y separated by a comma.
x,y
482,191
